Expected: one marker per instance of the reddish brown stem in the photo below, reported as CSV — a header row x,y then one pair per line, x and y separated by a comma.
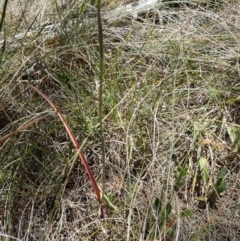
x,y
77,147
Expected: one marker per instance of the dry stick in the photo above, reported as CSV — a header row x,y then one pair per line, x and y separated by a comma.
x,y
77,147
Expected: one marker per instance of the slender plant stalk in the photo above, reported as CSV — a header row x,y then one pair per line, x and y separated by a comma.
x,y
101,69
1,25
3,14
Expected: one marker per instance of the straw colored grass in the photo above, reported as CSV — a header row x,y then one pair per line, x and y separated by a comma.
x,y
170,103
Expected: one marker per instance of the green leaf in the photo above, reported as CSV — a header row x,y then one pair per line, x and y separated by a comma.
x,y
164,214
182,172
168,209
157,206
234,134
187,213
222,173
204,166
219,186
231,133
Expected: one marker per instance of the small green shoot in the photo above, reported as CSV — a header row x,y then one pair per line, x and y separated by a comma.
x,y
219,186
182,172
187,213
234,134
161,215
204,175
157,206
204,167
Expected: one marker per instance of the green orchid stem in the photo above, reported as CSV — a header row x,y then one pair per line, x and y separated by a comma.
x,y
101,69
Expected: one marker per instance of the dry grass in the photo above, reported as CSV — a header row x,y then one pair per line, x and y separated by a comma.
x,y
171,97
